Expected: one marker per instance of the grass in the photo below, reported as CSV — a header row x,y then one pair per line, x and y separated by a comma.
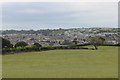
x,y
101,63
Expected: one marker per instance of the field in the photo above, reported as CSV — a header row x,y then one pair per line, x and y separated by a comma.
x,y
101,63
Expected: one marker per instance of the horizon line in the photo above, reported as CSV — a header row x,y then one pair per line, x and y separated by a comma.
x,y
58,28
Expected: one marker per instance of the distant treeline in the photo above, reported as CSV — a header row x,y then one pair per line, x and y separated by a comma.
x,y
42,48
22,46
53,31
44,32
101,45
49,47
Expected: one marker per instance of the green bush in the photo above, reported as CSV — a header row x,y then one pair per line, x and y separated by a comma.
x,y
28,48
5,50
34,47
6,43
37,45
19,49
21,44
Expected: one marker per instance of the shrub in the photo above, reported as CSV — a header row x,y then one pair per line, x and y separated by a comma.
x,y
47,48
21,44
6,43
37,45
5,50
19,49
28,48
34,47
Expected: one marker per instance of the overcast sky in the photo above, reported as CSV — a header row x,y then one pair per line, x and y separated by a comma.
x,y
51,15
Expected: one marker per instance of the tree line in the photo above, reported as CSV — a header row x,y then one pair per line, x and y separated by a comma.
x,y
23,46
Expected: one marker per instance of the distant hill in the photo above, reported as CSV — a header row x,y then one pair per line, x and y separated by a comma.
x,y
62,31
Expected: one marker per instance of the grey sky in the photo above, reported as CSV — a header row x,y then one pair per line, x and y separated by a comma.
x,y
44,15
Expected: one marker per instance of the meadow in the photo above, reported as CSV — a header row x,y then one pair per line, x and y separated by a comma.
x,y
72,63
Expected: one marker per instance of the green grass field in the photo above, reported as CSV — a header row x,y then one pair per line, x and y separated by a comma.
x,y
101,63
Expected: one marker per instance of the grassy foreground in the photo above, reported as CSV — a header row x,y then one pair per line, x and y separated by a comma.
x,y
101,63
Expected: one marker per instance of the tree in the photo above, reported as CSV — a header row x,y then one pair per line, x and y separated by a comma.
x,y
6,43
21,44
96,41
75,41
37,45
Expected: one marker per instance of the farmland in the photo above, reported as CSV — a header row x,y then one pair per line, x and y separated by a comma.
x,y
101,63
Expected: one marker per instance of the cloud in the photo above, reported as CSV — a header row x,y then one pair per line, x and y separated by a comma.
x,y
63,14
30,11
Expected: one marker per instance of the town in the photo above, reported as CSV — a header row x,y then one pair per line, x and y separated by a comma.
x,y
61,36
